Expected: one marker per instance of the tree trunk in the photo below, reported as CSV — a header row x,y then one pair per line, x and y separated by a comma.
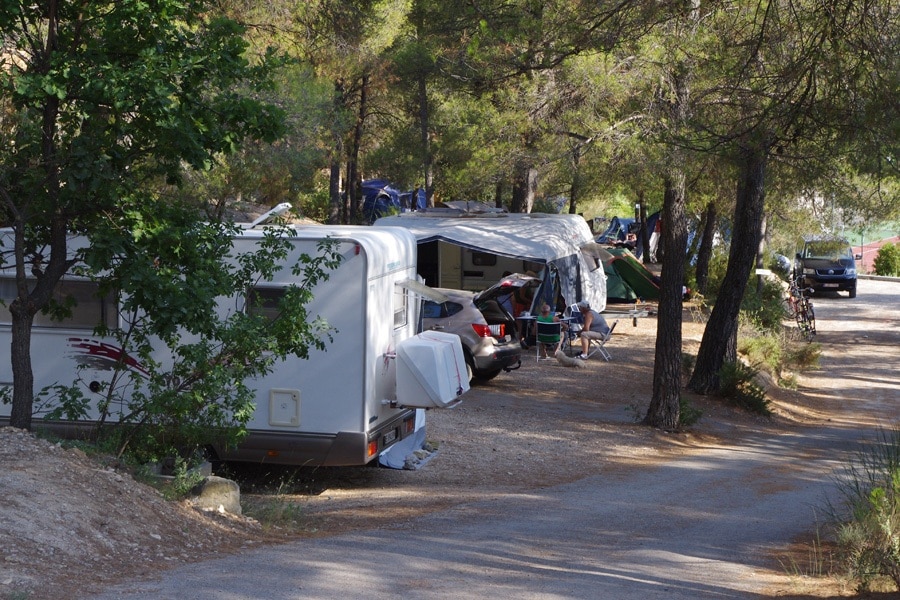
x,y
720,336
354,178
498,194
524,189
335,203
704,254
761,255
23,376
27,304
575,188
665,404
645,233
427,159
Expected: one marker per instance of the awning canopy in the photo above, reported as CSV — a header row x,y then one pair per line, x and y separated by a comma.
x,y
563,240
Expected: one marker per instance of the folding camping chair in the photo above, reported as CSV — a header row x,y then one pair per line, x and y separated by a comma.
x,y
576,323
547,334
601,343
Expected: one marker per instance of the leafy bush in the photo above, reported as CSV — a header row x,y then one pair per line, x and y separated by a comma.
x,y
867,521
804,356
718,264
764,311
182,482
736,385
763,350
887,262
688,414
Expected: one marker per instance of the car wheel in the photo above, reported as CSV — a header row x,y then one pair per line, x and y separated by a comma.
x,y
470,364
853,293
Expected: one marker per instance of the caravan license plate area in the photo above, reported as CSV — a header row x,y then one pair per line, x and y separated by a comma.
x,y
390,437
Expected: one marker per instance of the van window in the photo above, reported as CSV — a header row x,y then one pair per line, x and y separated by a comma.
x,y
828,249
89,310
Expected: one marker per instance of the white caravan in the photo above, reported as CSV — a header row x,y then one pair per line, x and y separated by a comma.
x,y
472,251
342,406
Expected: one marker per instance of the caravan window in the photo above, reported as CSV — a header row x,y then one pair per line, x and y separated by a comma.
x,y
594,254
483,259
401,297
265,302
88,311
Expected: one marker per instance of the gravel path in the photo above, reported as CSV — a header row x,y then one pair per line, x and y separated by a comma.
x,y
704,515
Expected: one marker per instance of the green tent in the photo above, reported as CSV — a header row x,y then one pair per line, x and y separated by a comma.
x,y
633,273
617,291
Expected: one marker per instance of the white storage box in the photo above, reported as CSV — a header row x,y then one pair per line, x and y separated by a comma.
x,y
431,370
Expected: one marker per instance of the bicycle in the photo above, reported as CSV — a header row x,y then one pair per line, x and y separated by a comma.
x,y
801,308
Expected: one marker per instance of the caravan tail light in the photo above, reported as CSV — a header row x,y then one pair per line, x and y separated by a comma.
x,y
489,330
409,425
373,448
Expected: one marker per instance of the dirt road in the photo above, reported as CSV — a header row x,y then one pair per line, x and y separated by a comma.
x,y
706,515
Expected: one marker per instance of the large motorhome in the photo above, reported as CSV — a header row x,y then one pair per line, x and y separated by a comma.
x,y
342,406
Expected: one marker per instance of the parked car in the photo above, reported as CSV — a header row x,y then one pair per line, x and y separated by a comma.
x,y
828,264
486,329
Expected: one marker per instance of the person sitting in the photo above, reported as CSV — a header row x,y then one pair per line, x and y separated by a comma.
x,y
594,327
546,340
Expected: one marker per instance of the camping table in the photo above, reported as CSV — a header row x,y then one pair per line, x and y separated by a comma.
x,y
527,319
634,314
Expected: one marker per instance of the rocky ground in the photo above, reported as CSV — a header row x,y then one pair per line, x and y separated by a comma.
x,y
70,524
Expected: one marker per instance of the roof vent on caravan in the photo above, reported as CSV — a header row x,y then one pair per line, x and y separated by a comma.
x,y
271,214
431,370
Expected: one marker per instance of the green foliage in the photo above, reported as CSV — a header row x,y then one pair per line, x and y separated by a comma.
x,y
763,311
65,402
804,356
718,264
763,350
736,385
114,96
181,483
887,263
688,414
867,520
314,206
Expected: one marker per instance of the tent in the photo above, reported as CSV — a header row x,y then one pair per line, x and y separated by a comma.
x,y
617,233
633,273
381,198
617,291
562,243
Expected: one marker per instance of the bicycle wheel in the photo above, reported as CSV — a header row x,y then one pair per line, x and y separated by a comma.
x,y
811,317
806,319
789,305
